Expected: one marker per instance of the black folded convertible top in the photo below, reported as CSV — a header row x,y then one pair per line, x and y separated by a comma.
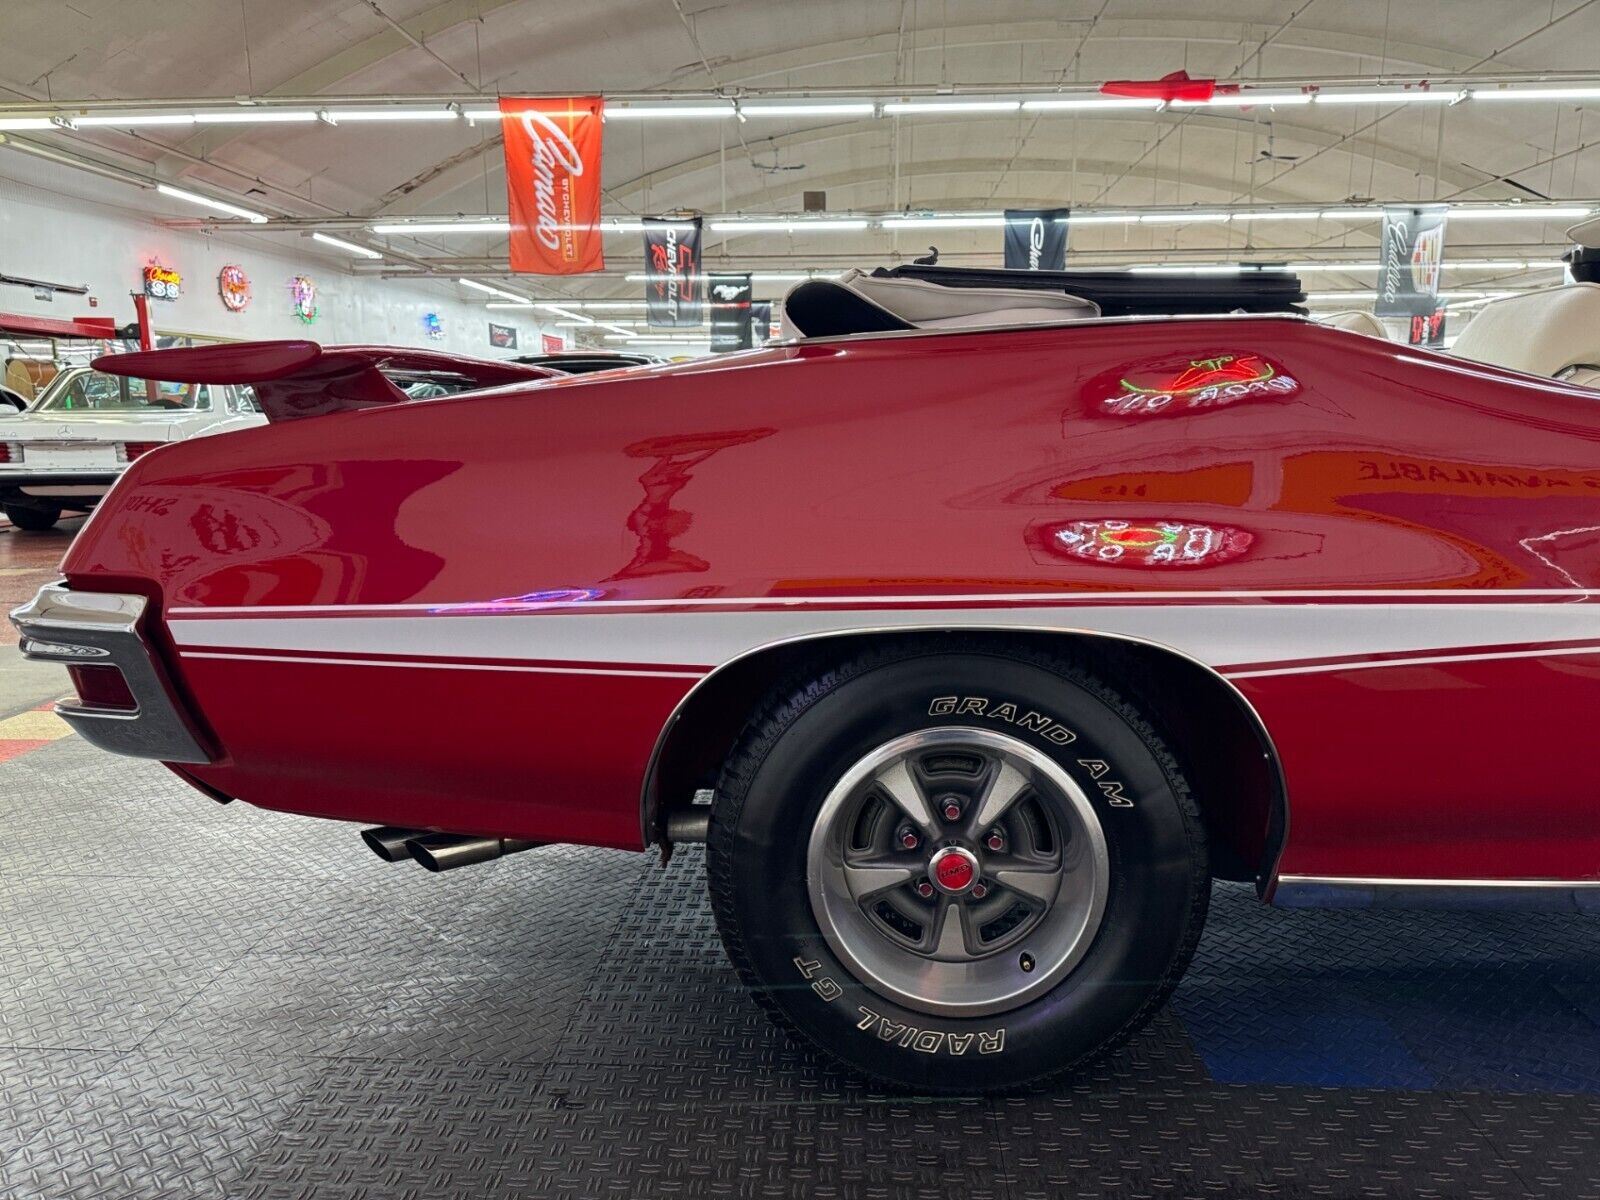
x,y
1124,293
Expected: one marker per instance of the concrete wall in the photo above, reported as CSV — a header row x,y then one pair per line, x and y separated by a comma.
x,y
45,234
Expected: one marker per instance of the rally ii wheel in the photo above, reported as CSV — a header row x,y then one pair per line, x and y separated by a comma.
x,y
956,866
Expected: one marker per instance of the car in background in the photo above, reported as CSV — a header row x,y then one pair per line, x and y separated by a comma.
x,y
585,362
11,402
63,453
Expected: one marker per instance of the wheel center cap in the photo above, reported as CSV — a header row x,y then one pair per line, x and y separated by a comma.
x,y
954,869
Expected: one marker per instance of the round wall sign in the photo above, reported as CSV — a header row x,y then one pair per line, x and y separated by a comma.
x,y
233,285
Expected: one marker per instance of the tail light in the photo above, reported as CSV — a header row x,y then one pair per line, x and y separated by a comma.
x,y
128,451
102,687
10,452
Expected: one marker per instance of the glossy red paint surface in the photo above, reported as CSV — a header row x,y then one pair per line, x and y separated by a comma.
x,y
904,467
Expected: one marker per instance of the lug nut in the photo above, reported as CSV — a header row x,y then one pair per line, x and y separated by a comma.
x,y
952,811
996,840
925,889
979,891
909,840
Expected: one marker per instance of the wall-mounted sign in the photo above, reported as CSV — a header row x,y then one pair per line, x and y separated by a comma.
x,y
233,285
502,337
303,294
552,343
161,283
433,326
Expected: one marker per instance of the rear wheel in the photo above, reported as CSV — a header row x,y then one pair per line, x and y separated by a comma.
x,y
31,519
956,868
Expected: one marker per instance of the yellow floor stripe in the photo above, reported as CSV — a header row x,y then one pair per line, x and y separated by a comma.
x,y
33,726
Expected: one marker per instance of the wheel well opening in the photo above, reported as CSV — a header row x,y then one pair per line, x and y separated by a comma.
x,y
1217,738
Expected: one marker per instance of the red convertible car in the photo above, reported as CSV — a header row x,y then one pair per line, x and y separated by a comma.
x,y
973,648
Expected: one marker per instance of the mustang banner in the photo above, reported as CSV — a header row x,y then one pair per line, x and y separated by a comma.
x,y
674,292
1409,259
553,183
1036,239
730,311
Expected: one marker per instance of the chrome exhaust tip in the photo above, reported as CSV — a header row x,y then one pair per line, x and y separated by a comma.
x,y
447,851
390,842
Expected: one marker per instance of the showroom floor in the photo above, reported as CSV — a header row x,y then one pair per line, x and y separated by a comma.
x,y
199,1001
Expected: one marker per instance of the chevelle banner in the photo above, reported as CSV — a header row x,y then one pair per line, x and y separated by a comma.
x,y
552,149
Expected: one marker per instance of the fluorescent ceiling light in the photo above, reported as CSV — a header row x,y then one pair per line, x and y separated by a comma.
x,y
510,304
1317,268
1219,269
255,116
1393,96
822,108
1309,214
1103,219
413,227
489,289
759,276
621,226
133,120
629,112
27,123
1355,212
798,225
1246,99
619,329
337,115
1180,218
1482,264
1065,103
1527,212
566,312
348,247
912,107
942,222
233,210
1550,93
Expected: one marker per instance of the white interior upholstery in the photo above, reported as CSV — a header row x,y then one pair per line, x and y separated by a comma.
x,y
1356,321
1543,333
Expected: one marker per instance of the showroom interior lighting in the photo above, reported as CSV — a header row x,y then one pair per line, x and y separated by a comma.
x,y
256,116
897,108
797,225
133,120
1087,101
414,227
336,116
222,206
490,289
819,108
347,247
1246,100
1395,96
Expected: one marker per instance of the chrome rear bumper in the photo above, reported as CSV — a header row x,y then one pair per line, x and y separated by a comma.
x,y
101,629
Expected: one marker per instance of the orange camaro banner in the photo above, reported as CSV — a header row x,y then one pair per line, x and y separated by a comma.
x,y
553,183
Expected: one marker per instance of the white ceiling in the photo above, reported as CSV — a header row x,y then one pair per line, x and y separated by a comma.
x,y
164,49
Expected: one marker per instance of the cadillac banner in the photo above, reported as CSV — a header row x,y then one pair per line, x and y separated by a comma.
x,y
1036,239
1409,259
673,285
553,183
730,311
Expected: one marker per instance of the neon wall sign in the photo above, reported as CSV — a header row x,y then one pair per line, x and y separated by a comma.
x,y
233,285
1187,384
303,295
162,283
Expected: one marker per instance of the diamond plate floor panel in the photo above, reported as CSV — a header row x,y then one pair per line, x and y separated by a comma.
x,y
202,1001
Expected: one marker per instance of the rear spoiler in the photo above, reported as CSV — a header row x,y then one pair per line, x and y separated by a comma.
x,y
302,379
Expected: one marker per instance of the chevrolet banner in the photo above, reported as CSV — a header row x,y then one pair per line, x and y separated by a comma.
x,y
674,288
553,183
1036,239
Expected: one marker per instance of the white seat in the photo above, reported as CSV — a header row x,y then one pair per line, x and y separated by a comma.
x,y
1553,332
1356,321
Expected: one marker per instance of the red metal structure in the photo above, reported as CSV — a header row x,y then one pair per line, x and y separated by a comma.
x,y
1350,584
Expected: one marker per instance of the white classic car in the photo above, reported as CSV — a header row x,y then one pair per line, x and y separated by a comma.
x,y
66,450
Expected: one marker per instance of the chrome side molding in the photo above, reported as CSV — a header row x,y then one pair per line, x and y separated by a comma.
x,y
1526,895
101,629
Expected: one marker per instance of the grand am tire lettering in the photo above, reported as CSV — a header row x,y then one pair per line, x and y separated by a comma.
x,y
979,706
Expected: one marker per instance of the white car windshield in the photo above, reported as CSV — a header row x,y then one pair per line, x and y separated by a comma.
x,y
92,391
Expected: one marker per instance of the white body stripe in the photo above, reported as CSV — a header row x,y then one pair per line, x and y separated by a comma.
x,y
1219,635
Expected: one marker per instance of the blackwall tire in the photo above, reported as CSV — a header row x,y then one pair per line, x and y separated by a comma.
x,y
32,520
969,974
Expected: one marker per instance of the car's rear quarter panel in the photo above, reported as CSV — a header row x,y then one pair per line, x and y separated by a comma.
x,y
898,467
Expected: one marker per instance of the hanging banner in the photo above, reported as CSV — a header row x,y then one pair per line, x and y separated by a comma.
x,y
1036,239
553,183
1409,260
1427,329
730,311
761,322
674,292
